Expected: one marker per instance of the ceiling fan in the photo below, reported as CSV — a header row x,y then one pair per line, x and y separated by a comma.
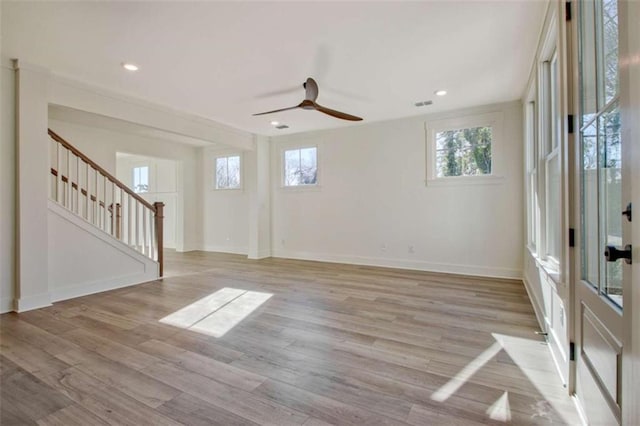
x,y
309,102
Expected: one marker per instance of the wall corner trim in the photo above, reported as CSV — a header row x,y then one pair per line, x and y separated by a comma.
x,y
33,302
260,255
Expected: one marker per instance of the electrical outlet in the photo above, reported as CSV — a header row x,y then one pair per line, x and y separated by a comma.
x,y
282,242
383,247
411,250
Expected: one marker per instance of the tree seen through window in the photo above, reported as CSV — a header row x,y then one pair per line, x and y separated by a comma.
x,y
228,172
301,167
463,152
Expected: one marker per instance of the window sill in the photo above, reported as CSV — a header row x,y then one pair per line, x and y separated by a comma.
x,y
551,269
227,189
301,188
466,180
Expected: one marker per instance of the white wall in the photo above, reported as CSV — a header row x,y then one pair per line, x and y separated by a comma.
x,y
102,145
258,179
163,186
84,260
226,211
33,177
7,186
372,205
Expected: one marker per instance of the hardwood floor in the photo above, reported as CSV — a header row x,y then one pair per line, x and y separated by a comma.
x,y
332,344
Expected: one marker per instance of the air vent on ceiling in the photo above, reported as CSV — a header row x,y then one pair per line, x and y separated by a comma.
x,y
282,126
423,103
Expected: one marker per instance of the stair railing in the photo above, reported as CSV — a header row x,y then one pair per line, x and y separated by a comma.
x,y
86,189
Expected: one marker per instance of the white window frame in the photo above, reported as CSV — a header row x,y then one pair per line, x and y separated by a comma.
x,y
283,150
531,164
550,132
546,152
491,119
214,178
140,165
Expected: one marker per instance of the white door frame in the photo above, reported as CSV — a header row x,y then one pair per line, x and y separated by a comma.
x,y
629,12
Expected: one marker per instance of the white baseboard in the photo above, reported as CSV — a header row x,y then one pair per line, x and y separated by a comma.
x,y
539,312
7,305
418,265
86,289
187,248
30,303
260,255
537,308
226,249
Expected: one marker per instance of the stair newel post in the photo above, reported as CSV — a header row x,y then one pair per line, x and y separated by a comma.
x,y
158,220
119,221
68,192
59,183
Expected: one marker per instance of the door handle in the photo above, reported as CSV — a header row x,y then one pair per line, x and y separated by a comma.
x,y
627,212
612,253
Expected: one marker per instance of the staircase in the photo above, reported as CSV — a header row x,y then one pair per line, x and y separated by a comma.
x,y
89,192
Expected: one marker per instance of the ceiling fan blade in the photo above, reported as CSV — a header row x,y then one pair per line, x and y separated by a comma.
x,y
310,89
280,92
336,114
277,110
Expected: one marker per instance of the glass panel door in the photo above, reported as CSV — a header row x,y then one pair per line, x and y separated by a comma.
x,y
601,174
599,299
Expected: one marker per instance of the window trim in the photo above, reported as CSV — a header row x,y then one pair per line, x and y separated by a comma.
x,y
214,168
531,170
490,119
306,186
550,111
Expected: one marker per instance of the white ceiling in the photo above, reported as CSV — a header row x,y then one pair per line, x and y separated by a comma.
x,y
227,60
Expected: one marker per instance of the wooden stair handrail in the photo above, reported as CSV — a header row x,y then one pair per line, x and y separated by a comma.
x,y
106,174
156,208
74,185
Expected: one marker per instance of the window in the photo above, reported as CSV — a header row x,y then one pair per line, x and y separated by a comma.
x,y
543,131
464,152
141,179
300,167
228,172
600,147
553,178
461,150
533,207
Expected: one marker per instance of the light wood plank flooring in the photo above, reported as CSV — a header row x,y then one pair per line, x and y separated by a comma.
x,y
334,344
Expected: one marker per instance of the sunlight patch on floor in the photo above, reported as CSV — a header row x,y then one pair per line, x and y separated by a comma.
x,y
219,322
532,358
500,410
466,373
217,313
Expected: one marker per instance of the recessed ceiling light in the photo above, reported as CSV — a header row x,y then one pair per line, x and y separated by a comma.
x,y
129,66
275,123
440,92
